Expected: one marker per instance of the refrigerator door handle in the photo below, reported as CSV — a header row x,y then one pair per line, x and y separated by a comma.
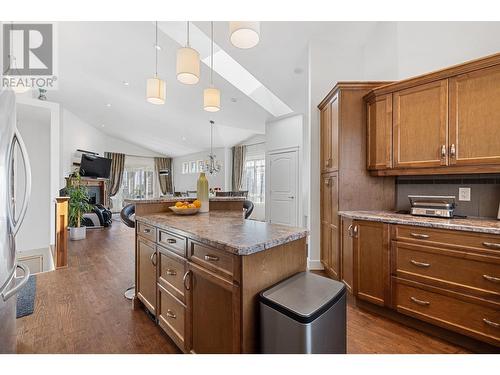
x,y
16,224
6,295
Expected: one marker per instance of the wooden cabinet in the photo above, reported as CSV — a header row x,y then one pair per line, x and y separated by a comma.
x,y
171,314
379,132
346,184
346,252
371,262
475,118
215,313
329,225
146,258
445,122
420,125
329,123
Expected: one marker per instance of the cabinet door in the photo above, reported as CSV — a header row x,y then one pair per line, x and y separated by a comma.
x,y
329,129
420,126
214,313
346,250
371,262
329,225
146,258
475,117
379,132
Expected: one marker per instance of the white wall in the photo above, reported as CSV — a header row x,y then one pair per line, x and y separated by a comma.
x,y
184,182
77,134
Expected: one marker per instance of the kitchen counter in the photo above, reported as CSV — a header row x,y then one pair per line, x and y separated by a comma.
x,y
471,224
183,199
226,230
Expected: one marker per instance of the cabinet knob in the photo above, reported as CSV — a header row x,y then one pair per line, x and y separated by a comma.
x,y
171,314
453,151
171,240
443,151
211,258
147,230
171,272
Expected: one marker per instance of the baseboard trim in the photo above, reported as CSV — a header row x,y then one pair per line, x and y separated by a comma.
x,y
315,265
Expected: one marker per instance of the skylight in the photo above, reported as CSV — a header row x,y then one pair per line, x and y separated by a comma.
x,y
227,67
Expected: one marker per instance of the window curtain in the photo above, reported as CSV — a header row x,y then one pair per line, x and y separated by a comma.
x,y
165,181
116,174
239,153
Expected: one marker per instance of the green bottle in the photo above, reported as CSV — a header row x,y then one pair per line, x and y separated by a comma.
x,y
202,192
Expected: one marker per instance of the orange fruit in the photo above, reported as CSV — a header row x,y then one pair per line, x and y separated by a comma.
x,y
178,204
197,203
191,205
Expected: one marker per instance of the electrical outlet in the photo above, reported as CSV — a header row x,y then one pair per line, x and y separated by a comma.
x,y
464,194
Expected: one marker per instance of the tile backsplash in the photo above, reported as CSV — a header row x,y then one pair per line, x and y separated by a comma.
x,y
485,192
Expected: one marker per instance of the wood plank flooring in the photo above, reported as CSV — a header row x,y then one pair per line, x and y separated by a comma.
x,y
81,309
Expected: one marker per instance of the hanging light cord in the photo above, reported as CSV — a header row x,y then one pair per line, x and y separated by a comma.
x,y
212,54
187,41
211,137
156,48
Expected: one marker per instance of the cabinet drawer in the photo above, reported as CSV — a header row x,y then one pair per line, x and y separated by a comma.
x,y
454,269
172,242
171,316
146,231
213,259
171,271
467,318
448,238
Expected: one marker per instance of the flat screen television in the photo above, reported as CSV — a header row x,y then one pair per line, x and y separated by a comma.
x,y
94,166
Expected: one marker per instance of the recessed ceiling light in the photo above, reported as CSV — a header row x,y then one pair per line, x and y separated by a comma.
x,y
298,70
183,138
108,105
157,46
125,83
102,125
234,100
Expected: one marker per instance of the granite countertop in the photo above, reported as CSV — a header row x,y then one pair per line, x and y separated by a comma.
x,y
182,199
227,230
470,224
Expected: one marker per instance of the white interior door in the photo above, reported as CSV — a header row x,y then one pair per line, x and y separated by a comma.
x,y
283,188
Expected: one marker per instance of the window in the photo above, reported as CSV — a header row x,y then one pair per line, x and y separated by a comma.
x,y
254,179
138,182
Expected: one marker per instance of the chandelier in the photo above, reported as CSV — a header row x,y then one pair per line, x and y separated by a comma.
x,y
212,165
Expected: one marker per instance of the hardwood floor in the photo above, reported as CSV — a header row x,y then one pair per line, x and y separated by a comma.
x,y
81,309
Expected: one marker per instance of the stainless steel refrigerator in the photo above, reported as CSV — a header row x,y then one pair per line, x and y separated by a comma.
x,y
11,217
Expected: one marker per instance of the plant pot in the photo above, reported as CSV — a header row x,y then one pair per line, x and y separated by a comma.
x,y
76,234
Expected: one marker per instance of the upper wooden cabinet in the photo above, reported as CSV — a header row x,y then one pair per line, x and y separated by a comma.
x,y
444,122
329,123
475,117
379,131
420,120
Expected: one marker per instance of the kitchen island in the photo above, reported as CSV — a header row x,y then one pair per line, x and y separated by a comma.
x,y
200,275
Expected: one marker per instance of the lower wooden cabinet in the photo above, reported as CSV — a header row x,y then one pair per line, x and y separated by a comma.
x,y
146,259
214,313
371,261
171,314
330,254
346,252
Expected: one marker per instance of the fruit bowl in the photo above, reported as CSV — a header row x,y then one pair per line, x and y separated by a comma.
x,y
184,210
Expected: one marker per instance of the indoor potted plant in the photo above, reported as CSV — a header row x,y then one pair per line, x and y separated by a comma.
x,y
78,205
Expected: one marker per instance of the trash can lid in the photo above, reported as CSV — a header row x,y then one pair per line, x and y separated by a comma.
x,y
304,296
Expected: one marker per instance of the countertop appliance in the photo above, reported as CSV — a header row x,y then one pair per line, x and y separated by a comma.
x,y
10,218
432,205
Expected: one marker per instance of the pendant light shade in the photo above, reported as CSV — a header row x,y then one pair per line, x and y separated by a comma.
x,y
244,34
156,90
155,87
211,99
188,65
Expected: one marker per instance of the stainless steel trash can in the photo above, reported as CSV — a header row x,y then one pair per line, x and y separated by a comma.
x,y
305,313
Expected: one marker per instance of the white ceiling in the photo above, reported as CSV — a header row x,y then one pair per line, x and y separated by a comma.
x,y
96,57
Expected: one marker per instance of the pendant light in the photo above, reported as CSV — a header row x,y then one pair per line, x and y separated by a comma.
x,y
188,63
155,91
211,95
212,165
244,34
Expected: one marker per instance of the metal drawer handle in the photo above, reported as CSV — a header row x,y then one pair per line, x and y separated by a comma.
x,y
453,151
492,245
420,302
171,272
419,235
171,314
492,278
185,278
355,231
490,323
443,151
419,264
349,231
171,240
211,258
147,230
151,258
